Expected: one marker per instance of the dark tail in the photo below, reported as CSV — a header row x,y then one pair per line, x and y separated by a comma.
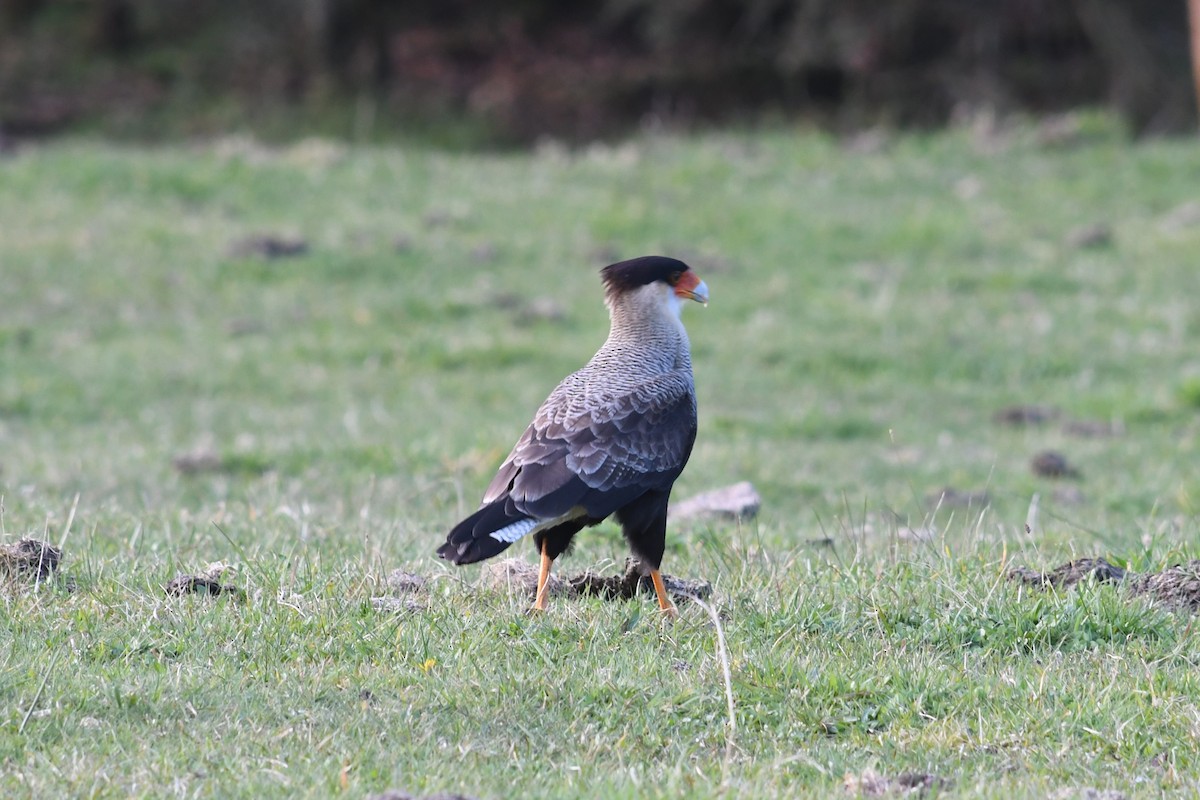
x,y
471,539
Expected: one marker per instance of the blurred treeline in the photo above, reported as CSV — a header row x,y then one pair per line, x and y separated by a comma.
x,y
526,68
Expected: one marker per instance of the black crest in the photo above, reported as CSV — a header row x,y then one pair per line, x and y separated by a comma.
x,y
626,275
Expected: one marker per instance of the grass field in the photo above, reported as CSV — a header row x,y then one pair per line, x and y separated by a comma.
x,y
873,308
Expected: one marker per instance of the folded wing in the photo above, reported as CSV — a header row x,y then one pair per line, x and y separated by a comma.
x,y
584,456
602,455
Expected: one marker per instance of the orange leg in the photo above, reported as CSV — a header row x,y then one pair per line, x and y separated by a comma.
x,y
539,603
664,604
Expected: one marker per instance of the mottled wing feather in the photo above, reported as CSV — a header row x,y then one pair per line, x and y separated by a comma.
x,y
600,453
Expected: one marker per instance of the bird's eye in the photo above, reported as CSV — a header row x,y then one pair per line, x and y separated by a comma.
x,y
674,277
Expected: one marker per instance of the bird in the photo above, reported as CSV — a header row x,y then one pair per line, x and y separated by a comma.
x,y
611,439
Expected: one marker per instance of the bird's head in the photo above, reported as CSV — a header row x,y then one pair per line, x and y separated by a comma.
x,y
667,278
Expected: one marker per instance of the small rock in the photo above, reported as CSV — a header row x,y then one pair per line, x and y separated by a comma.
x,y
1086,237
1182,217
29,557
403,244
1052,464
738,501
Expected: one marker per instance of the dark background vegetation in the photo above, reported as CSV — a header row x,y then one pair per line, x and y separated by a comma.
x,y
515,70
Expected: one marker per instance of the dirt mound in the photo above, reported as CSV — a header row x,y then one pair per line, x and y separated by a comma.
x,y
1030,416
29,558
404,588
268,246
518,573
626,586
1025,415
206,582
1069,574
1052,464
871,784
1177,586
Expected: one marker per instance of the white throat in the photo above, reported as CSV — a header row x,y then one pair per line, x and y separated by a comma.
x,y
653,301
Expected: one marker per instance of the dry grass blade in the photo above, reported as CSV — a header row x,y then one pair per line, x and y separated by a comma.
x,y
38,694
726,675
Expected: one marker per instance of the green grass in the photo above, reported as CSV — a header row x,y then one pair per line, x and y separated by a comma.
x,y
870,313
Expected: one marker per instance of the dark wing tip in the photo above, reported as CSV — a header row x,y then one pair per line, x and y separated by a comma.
x,y
471,539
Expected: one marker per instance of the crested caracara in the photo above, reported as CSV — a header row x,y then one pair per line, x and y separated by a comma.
x,y
610,439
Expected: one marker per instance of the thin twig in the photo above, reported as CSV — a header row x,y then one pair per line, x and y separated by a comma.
x,y
723,655
38,694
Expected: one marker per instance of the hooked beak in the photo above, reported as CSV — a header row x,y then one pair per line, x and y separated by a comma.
x,y
691,287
